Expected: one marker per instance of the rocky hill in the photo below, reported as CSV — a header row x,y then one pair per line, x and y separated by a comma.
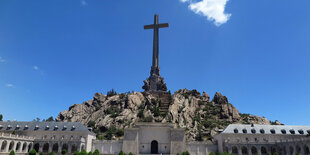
x,y
201,117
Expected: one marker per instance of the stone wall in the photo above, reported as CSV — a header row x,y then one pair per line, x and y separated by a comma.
x,y
201,148
107,146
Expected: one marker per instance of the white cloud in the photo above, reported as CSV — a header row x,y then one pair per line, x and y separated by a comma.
x,y
83,2
10,85
214,10
35,67
1,59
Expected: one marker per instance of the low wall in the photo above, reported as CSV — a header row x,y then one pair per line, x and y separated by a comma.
x,y
201,148
107,146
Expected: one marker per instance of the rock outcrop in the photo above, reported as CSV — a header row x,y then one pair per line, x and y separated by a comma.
x,y
188,109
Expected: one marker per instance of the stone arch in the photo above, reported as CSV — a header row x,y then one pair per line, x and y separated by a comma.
x,y
154,147
64,147
29,147
73,148
11,145
36,147
45,148
298,149
244,150
55,148
291,150
3,146
273,150
263,150
234,150
254,150
24,147
306,149
18,145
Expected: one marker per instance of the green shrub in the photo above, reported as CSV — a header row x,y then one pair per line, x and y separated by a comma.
x,y
130,153
83,152
119,132
96,152
90,153
211,153
12,152
121,153
41,153
178,153
53,153
91,123
140,113
156,111
185,153
32,152
76,152
148,119
63,151
111,93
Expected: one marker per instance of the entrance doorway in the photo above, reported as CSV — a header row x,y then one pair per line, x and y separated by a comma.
x,y
154,147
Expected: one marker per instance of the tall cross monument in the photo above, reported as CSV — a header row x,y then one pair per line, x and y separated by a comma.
x,y
155,83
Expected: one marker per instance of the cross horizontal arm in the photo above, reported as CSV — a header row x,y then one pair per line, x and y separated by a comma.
x,y
159,26
163,25
149,26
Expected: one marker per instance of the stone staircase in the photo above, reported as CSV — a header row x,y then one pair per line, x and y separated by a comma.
x,y
165,100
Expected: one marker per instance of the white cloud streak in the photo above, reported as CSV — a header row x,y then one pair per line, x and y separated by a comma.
x,y
9,85
35,67
1,59
83,2
214,10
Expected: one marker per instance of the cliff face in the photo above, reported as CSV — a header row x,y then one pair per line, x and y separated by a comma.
x,y
187,109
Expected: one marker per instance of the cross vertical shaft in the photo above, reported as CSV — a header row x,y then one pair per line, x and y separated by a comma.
x,y
155,43
155,27
155,83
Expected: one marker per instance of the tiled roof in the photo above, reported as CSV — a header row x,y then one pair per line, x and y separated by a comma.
x,y
267,129
42,126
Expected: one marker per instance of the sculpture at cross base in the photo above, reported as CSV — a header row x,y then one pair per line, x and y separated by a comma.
x,y
155,83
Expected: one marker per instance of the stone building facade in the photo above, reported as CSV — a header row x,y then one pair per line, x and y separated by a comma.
x,y
153,138
264,139
45,137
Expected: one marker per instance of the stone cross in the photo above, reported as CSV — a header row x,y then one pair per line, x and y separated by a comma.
x,y
156,27
155,83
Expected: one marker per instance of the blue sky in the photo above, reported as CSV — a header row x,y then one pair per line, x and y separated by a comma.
x,y
57,53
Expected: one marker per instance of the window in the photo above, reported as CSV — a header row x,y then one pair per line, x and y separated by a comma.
x,y
9,127
283,131
262,131
236,130
301,131
253,131
244,131
292,131
272,131
56,127
36,127
47,127
64,128
73,128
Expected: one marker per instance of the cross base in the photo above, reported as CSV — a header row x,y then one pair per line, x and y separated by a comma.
x,y
155,83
